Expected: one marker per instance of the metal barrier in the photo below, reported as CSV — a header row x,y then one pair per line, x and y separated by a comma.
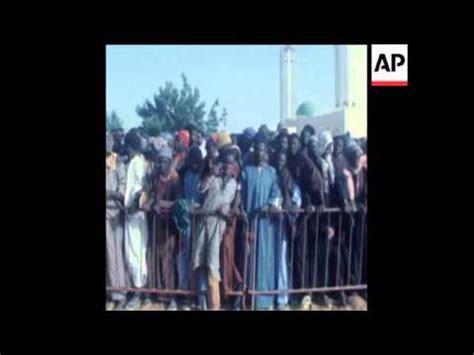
x,y
347,246
325,263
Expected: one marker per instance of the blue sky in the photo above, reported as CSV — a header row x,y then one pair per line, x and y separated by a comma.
x,y
244,78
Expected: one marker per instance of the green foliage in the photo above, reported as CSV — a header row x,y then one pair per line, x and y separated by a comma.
x,y
113,121
171,110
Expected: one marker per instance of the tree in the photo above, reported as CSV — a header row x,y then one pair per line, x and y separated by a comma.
x,y
113,122
172,109
213,119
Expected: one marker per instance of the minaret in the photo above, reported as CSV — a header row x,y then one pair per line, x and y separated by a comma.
x,y
341,72
287,84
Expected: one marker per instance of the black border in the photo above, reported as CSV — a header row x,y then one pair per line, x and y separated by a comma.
x,y
72,286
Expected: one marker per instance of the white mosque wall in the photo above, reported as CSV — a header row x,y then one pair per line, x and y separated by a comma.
x,y
333,121
340,121
356,121
356,116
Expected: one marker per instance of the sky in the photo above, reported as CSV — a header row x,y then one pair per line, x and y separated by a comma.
x,y
245,78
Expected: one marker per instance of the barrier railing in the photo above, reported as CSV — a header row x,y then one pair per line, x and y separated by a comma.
x,y
332,242
325,254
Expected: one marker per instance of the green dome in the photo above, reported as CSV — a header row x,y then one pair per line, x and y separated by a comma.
x,y
307,109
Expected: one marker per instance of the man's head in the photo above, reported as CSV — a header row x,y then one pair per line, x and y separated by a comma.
x,y
282,141
245,144
229,156
264,130
150,154
246,139
198,137
338,145
118,135
313,145
164,165
133,142
211,149
307,132
261,149
196,134
164,161
325,144
194,160
294,144
353,154
211,166
280,161
226,170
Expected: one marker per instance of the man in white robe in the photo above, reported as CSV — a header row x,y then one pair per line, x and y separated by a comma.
x,y
136,230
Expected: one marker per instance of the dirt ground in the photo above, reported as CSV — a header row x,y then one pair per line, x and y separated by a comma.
x,y
356,304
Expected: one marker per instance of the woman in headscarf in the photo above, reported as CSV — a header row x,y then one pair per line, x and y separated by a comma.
x,y
323,154
218,193
115,189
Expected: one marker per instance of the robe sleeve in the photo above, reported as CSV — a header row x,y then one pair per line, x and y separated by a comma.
x,y
121,178
243,187
129,185
349,183
228,194
296,196
275,193
135,180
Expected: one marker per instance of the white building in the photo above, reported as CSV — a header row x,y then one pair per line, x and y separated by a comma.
x,y
350,107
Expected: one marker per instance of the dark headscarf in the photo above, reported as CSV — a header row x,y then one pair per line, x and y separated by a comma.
x,y
133,139
249,133
352,149
264,130
260,137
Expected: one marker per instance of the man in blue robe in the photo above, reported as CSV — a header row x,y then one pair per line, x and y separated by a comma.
x,y
260,194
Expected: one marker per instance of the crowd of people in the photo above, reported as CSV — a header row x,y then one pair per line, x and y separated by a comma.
x,y
174,208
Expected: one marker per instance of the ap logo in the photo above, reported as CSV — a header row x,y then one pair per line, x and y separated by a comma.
x,y
389,64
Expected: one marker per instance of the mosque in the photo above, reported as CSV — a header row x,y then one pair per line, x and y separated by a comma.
x,y
349,113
